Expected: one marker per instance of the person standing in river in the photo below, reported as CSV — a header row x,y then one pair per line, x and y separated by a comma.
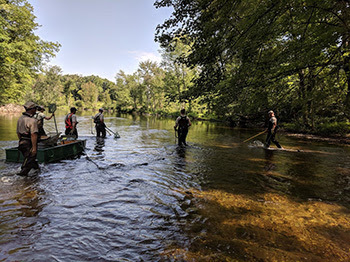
x,y
27,132
181,126
71,123
40,116
100,124
271,131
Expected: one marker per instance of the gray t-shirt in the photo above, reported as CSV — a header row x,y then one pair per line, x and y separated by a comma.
x,y
272,123
27,125
100,116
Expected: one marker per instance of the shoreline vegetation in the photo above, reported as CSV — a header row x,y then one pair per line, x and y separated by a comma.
x,y
332,139
231,76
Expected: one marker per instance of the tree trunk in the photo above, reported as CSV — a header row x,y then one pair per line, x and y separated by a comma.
x,y
303,96
346,67
310,88
345,14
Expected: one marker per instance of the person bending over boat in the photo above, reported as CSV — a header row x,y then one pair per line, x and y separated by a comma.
x,y
27,132
271,131
40,116
71,123
181,126
100,124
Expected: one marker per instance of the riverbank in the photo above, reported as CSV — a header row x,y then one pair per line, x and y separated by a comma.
x,y
330,140
11,109
15,109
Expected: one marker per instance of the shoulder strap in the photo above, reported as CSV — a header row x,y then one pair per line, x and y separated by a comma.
x,y
68,121
97,117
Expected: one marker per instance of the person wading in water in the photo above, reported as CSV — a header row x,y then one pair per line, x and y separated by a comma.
x,y
100,124
27,132
271,131
181,126
40,116
71,123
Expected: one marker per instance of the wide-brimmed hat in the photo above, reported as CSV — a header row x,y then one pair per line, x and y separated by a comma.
x,y
41,108
101,109
30,105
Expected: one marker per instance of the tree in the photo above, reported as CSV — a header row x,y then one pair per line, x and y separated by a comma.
x,y
89,95
248,51
48,87
178,77
22,53
151,76
125,86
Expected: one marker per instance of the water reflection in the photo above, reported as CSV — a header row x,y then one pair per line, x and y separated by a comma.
x,y
21,202
269,163
99,145
181,152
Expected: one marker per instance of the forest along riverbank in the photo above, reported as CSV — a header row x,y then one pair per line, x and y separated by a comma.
x,y
14,109
140,197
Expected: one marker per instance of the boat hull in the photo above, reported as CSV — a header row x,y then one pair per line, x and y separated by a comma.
x,y
49,154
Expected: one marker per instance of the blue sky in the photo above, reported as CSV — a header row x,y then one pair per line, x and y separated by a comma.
x,y
100,37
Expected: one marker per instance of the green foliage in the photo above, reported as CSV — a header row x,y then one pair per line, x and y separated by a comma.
x,y
223,59
48,87
331,129
290,56
79,104
89,94
22,53
325,129
295,127
129,90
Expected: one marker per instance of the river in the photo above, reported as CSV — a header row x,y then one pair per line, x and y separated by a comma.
x,y
142,198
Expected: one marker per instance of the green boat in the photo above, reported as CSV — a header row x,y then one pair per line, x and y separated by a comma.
x,y
64,150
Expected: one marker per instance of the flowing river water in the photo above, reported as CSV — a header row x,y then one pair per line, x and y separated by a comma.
x,y
141,198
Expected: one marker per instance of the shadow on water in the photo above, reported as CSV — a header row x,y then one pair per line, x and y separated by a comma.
x,y
143,198
270,206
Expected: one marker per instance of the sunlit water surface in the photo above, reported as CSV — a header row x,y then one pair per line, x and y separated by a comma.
x,y
141,198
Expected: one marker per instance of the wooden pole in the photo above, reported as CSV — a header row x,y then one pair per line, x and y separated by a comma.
x,y
254,136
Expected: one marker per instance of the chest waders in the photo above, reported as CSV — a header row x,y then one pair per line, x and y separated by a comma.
x,y
182,130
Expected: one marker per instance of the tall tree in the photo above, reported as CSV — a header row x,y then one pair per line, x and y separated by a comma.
x,y
89,95
150,74
248,51
22,53
127,97
48,87
178,77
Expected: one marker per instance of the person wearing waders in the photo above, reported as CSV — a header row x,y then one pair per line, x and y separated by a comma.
x,y
100,124
271,131
27,132
40,116
181,126
71,123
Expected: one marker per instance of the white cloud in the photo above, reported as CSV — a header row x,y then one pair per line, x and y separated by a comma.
x,y
144,56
